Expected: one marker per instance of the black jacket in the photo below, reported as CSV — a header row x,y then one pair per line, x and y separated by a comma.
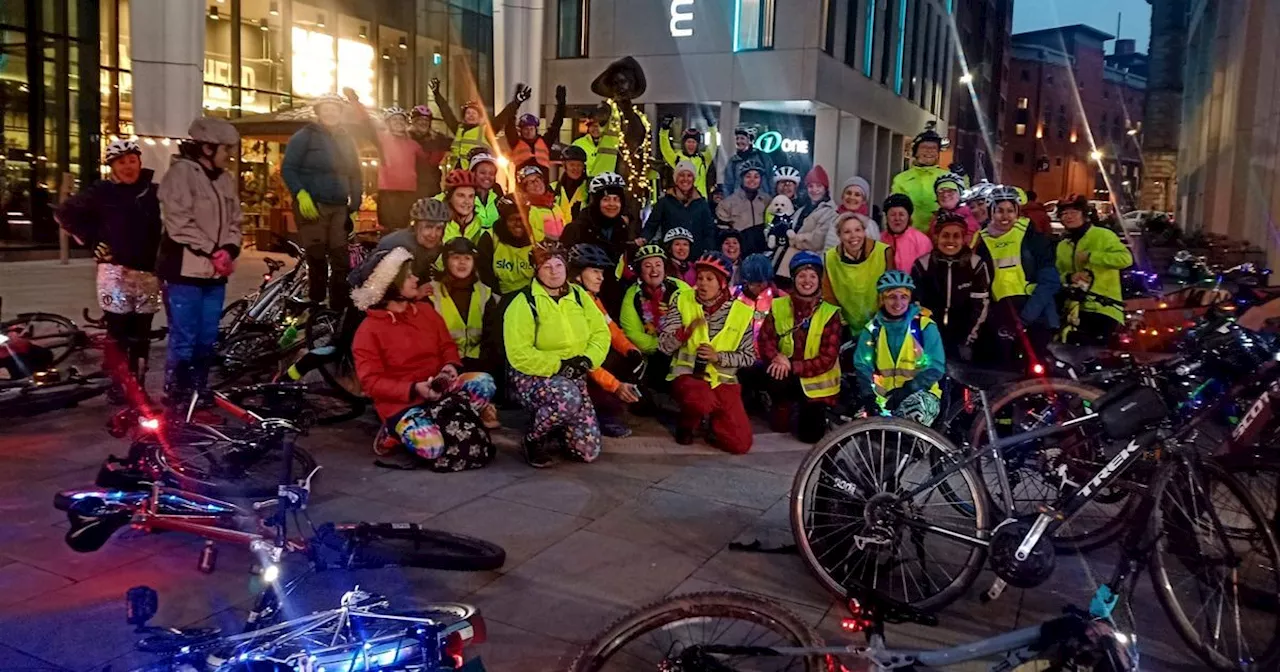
x,y
957,291
671,212
615,236
124,216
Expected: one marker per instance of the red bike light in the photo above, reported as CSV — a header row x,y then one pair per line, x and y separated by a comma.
x,y
1038,369
266,277
149,424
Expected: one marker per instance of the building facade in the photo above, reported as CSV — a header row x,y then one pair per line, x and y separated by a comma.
x,y
1074,119
160,63
1228,164
1162,122
984,30
843,83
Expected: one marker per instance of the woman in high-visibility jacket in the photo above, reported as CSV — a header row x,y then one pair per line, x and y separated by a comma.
x,y
851,270
900,359
538,202
702,157
474,130
571,188
708,335
554,336
460,196
1090,257
504,251
799,344
588,266
470,311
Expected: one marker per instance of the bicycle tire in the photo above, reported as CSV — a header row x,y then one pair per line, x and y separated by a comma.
x,y
324,406
1260,474
229,321
63,339
1074,536
1266,595
326,328
661,616
214,471
847,506
378,545
29,401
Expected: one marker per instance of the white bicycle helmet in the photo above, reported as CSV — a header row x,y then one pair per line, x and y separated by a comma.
x,y
119,148
678,233
786,174
606,181
328,98
395,111
1002,192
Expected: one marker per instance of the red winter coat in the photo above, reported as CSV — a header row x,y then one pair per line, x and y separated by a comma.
x,y
395,350
1035,211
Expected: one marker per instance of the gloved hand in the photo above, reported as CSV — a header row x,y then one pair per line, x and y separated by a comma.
x,y
562,94
667,121
575,368
350,224
102,253
896,397
522,93
711,118
636,364
306,206
434,85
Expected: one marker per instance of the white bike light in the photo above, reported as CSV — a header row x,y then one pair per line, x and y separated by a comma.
x,y
4,338
271,573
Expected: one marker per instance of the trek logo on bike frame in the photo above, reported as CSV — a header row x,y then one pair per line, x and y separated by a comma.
x,y
1115,463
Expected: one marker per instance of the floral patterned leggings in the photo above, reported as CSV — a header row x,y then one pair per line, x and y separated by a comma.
x,y
447,433
559,404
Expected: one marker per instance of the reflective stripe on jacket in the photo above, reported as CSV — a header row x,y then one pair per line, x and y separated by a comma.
x,y
466,334
727,340
827,383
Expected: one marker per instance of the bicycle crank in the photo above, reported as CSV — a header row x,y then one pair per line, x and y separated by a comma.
x,y
1007,545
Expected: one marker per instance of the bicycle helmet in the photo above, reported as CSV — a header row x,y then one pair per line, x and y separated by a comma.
x,y
607,182
786,174
473,104
649,250
927,135
715,261
459,178
757,268
691,134
481,155
746,131
394,111
678,233
978,193
895,280
748,166
805,259
528,120
573,153
460,245
324,98
899,201
420,112
507,207
1001,192
430,210
529,171
946,219
1074,202
120,148
586,255
948,180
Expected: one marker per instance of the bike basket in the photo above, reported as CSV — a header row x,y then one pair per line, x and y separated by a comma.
x,y
1128,409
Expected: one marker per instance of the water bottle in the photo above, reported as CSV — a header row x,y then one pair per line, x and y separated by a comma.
x,y
700,367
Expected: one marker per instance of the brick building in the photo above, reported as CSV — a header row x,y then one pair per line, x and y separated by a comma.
x,y
1066,101
984,30
1162,122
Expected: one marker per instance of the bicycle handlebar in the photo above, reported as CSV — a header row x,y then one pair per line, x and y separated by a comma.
x,y
1078,294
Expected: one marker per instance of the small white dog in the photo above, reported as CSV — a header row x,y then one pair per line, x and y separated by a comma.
x,y
783,215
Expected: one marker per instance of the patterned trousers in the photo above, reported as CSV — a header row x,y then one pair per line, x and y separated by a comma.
x,y
447,432
561,405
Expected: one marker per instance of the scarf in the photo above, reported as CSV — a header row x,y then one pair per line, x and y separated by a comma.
x,y
546,200
1076,234
460,292
570,185
864,210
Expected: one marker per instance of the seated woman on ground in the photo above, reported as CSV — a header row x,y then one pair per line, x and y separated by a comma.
x,y
410,367
588,264
900,359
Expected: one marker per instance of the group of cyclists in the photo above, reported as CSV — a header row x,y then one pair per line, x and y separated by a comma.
x,y
558,298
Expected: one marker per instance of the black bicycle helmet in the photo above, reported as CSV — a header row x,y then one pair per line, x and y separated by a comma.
x,y
586,255
574,153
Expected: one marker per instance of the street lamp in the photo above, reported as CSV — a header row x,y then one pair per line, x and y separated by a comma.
x,y
1096,155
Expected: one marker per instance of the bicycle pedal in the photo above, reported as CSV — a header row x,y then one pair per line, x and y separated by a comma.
x,y
995,591
208,558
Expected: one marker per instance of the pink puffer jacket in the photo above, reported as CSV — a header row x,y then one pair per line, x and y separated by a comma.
x,y
907,246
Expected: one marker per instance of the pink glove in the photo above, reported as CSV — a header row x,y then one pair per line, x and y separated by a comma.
x,y
223,264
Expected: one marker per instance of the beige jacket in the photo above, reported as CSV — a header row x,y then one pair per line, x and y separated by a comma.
x,y
200,217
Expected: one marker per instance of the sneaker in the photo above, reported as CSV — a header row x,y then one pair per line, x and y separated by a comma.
x,y
489,417
614,429
384,444
536,454
684,436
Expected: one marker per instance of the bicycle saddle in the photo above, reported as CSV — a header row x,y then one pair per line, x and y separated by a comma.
x,y
980,378
876,606
273,265
298,305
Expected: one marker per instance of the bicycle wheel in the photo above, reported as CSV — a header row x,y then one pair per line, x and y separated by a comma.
x,y
248,355
30,400
232,315
53,332
311,406
328,329
1216,567
1260,475
195,458
682,632
1039,472
375,545
857,526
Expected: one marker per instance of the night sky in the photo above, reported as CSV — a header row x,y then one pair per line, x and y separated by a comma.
x,y
1100,14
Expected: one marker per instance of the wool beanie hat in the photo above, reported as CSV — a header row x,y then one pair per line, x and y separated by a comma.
x,y
818,175
685,166
863,185
899,201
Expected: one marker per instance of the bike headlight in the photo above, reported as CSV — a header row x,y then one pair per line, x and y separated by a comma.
x,y
271,573
4,338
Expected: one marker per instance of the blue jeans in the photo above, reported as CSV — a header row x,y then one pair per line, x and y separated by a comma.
x,y
194,312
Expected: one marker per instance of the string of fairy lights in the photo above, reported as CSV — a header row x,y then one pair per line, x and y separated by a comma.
x,y
637,163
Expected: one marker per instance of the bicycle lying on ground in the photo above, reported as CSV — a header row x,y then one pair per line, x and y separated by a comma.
x,y
886,504
362,633
97,513
724,632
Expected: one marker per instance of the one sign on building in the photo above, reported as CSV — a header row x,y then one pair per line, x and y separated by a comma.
x,y
773,141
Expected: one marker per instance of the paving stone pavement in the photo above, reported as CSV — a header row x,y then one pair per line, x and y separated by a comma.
x,y
585,543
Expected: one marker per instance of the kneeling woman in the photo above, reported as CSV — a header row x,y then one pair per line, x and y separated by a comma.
x,y
409,365
900,358
554,337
